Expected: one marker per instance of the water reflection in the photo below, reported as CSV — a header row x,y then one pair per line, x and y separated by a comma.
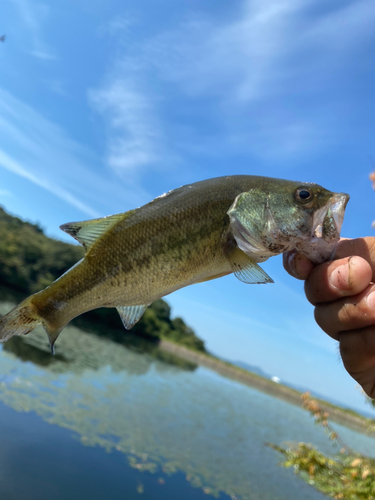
x,y
28,352
162,417
78,351
107,394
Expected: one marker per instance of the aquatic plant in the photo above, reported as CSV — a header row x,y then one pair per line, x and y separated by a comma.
x,y
348,475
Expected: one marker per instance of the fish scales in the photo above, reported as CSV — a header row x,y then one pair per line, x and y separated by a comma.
x,y
160,244
192,234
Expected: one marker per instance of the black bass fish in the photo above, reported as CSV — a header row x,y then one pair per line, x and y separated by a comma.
x,y
192,234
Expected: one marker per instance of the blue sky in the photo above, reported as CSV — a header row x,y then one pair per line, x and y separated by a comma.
x,y
104,106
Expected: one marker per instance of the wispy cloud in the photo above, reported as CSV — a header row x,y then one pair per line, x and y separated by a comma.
x,y
5,192
57,86
209,86
133,131
344,30
262,52
40,54
33,14
263,77
9,164
119,25
40,151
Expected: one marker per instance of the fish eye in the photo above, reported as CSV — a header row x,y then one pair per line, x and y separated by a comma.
x,y
304,195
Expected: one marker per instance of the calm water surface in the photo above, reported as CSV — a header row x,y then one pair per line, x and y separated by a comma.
x,y
102,420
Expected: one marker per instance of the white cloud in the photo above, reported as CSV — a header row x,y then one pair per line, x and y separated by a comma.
x,y
259,54
38,150
249,73
210,58
133,131
9,164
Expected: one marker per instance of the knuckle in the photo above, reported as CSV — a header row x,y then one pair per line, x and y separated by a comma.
x,y
370,242
354,315
347,313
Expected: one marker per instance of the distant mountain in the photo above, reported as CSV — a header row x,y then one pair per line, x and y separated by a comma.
x,y
250,368
262,373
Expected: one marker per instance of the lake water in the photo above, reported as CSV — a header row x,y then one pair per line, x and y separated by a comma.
x,y
102,420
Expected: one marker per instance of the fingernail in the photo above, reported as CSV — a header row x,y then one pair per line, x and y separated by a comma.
x,y
370,299
340,277
298,265
292,265
303,266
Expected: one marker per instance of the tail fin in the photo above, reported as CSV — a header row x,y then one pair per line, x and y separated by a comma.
x,y
19,321
23,319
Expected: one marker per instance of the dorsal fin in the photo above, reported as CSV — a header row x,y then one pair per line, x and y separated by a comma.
x,y
89,231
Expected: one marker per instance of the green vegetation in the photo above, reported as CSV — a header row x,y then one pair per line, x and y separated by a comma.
x,y
348,475
30,261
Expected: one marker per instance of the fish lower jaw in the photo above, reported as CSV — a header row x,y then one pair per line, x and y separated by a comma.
x,y
317,249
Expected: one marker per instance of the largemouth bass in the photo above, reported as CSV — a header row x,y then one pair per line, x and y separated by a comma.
x,y
192,234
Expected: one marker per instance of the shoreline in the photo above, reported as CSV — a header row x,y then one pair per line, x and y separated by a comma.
x,y
346,417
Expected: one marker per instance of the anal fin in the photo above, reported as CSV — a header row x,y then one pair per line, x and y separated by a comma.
x,y
130,315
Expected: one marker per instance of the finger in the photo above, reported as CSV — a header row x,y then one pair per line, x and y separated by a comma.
x,y
357,349
300,267
341,278
363,247
349,313
297,265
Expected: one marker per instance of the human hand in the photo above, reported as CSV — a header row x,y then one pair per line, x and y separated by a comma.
x,y
343,294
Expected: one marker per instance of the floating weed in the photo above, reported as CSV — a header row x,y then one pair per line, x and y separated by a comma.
x,y
347,476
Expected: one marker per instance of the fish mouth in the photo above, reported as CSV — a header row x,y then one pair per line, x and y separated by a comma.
x,y
327,222
326,228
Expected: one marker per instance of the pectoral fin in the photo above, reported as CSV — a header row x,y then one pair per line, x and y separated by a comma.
x,y
246,269
130,315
